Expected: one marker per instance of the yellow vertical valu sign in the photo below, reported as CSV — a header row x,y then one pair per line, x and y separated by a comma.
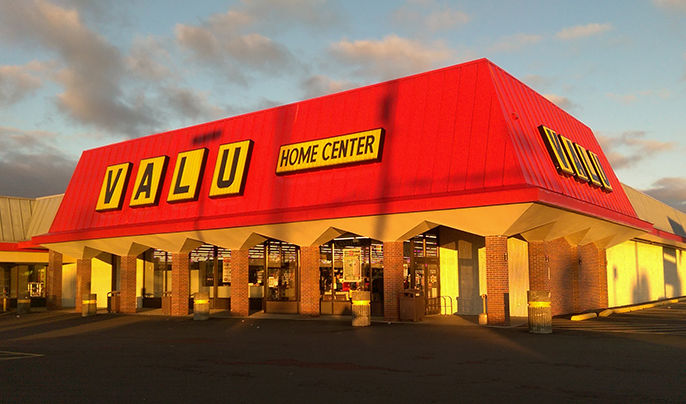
x,y
112,189
556,150
185,181
147,187
231,168
574,160
593,176
601,172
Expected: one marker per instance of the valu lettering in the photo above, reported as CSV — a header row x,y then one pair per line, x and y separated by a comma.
x,y
574,160
228,177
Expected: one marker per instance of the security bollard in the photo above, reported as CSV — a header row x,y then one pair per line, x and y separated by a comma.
x,y
201,306
540,312
23,303
89,304
361,308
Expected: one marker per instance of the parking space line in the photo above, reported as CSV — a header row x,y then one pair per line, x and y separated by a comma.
x,y
9,355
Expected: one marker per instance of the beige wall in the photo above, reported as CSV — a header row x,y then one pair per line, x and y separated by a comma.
x,y
640,272
518,275
460,270
101,278
69,285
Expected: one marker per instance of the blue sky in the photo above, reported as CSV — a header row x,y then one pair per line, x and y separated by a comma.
x,y
77,74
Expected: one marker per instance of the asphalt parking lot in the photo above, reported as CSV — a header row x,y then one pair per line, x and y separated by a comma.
x,y
62,357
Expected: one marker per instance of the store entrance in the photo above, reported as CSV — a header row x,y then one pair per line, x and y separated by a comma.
x,y
423,269
349,263
273,277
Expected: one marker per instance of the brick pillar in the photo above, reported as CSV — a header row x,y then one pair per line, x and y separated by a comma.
x,y
497,281
127,284
539,275
180,287
54,280
240,291
592,277
392,278
83,281
309,281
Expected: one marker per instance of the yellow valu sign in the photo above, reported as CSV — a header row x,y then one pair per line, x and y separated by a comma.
x,y
573,159
184,185
344,149
146,189
230,170
112,189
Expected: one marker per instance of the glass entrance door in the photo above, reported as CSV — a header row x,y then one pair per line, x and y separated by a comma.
x,y
424,270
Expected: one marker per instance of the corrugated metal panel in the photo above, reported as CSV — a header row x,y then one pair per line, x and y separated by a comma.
x,y
15,214
45,209
524,111
661,215
450,142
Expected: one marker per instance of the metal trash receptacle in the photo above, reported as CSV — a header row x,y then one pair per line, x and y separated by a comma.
x,y
23,303
201,306
540,312
411,305
113,301
361,308
89,304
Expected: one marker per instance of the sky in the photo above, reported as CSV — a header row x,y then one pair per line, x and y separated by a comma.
x,y
79,74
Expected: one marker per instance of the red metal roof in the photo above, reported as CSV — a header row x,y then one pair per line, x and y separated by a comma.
x,y
460,136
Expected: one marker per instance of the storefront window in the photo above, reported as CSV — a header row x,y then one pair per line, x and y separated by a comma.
x,y
282,270
349,263
36,280
209,261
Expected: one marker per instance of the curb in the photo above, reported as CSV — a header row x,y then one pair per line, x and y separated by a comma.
x,y
585,316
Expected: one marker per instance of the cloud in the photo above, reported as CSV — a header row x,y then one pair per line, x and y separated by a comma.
x,y
93,68
149,59
514,42
561,101
670,190
392,56
219,46
283,14
623,98
629,98
191,104
31,164
671,5
582,31
629,148
413,17
317,85
17,82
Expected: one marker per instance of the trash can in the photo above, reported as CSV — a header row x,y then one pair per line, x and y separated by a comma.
x,y
23,303
89,305
113,301
412,305
483,316
201,306
166,303
361,308
540,312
